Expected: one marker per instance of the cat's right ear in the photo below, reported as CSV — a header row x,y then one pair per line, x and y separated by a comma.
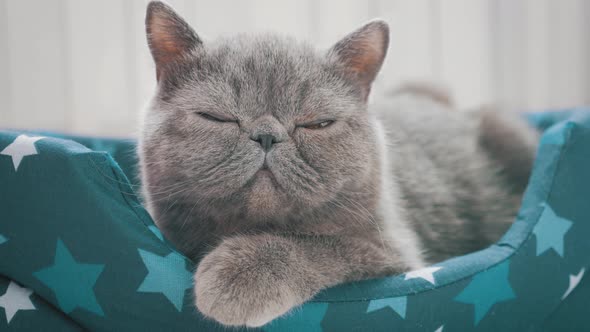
x,y
169,37
361,54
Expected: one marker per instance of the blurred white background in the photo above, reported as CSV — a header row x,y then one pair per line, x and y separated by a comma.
x,y
83,66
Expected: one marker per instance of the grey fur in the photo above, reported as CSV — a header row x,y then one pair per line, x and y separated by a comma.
x,y
375,193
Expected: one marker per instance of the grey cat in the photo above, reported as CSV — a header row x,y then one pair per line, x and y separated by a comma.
x,y
261,161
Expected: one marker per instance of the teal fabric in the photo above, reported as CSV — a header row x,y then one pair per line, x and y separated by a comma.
x,y
74,234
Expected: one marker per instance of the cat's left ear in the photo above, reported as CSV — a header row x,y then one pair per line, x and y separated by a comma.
x,y
170,38
361,53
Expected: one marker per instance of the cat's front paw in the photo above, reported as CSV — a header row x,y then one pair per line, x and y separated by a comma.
x,y
244,282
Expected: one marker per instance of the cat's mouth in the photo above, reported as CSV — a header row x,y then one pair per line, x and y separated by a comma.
x,y
265,174
265,171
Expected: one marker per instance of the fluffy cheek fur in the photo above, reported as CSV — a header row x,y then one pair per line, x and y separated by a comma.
x,y
341,154
213,157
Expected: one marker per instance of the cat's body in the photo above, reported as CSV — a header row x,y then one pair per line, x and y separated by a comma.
x,y
260,161
457,196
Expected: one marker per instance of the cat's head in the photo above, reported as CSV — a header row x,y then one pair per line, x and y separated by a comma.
x,y
263,125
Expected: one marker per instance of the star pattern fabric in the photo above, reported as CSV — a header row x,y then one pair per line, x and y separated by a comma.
x,y
3,239
16,298
156,232
486,289
398,304
167,275
72,282
425,273
550,231
22,146
471,298
573,283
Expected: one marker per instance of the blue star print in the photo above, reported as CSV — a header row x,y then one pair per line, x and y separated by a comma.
x,y
71,282
550,231
156,232
486,289
166,275
398,304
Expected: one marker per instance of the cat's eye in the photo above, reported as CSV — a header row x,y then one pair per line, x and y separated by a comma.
x,y
318,124
215,117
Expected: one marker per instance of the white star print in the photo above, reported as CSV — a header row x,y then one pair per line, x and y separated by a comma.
x,y
16,298
425,273
22,146
440,328
574,281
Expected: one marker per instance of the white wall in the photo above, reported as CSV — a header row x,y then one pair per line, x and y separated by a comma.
x,y
83,66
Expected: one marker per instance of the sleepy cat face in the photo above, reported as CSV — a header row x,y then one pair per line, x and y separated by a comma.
x,y
261,125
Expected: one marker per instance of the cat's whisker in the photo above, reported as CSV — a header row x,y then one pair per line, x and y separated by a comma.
x,y
173,190
360,219
188,215
372,221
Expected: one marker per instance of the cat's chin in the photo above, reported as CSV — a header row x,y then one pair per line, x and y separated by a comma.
x,y
265,199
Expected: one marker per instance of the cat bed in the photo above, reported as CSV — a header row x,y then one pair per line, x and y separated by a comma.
x,y
78,251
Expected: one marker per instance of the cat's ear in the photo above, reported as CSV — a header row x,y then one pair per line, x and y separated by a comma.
x,y
361,53
169,37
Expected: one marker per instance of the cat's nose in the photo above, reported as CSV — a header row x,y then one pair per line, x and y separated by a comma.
x,y
267,131
265,140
